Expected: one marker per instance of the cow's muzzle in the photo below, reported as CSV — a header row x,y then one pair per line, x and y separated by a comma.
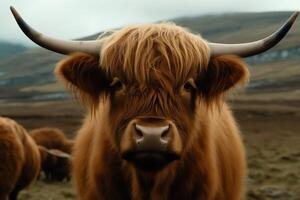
x,y
151,143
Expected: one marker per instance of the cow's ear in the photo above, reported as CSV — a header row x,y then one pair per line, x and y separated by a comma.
x,y
222,74
82,73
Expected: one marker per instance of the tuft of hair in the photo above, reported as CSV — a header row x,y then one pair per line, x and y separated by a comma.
x,y
80,75
143,53
223,74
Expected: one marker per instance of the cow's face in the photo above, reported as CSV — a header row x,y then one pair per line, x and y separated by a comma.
x,y
151,122
153,82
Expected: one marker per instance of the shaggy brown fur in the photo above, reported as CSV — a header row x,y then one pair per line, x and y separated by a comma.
x,y
68,146
52,138
157,70
55,163
54,167
20,159
48,164
62,167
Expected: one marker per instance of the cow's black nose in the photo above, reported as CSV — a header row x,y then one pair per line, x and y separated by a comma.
x,y
152,138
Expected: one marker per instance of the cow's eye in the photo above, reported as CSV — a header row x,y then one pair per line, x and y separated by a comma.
x,y
116,84
189,85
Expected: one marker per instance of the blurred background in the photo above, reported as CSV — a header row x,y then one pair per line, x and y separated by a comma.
x,y
268,109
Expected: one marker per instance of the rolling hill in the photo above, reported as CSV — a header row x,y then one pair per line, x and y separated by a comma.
x,y
8,49
275,74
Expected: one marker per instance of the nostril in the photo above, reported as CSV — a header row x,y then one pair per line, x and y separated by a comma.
x,y
138,134
165,136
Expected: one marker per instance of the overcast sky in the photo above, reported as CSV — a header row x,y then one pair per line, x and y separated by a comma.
x,y
76,18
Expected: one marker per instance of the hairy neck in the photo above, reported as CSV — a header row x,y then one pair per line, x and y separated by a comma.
x,y
183,179
152,185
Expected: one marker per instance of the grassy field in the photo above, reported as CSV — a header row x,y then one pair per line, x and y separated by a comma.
x,y
272,141
41,190
270,131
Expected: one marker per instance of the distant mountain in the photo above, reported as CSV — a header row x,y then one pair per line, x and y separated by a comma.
x,y
29,75
8,49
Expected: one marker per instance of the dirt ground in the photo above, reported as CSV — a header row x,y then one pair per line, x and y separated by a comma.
x,y
271,132
272,141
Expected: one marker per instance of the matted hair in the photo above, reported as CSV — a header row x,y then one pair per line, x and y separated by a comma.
x,y
141,51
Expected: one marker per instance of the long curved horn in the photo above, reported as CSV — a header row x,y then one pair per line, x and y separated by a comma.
x,y
253,48
60,46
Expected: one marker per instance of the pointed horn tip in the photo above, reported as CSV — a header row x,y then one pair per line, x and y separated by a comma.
x,y
292,18
14,12
295,15
12,9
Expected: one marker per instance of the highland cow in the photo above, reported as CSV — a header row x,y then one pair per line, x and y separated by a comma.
x,y
56,164
19,158
62,171
52,138
158,126
47,163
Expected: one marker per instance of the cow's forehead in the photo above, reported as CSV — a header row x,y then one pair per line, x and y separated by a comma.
x,y
154,51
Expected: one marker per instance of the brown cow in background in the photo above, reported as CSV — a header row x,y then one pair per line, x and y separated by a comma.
x,y
52,138
56,164
19,158
158,126
55,149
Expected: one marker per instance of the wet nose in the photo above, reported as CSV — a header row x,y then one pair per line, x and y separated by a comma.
x,y
152,138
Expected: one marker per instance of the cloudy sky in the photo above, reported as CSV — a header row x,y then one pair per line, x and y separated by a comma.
x,y
75,18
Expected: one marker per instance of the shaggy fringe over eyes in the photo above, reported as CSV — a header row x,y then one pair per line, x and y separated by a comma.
x,y
154,52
